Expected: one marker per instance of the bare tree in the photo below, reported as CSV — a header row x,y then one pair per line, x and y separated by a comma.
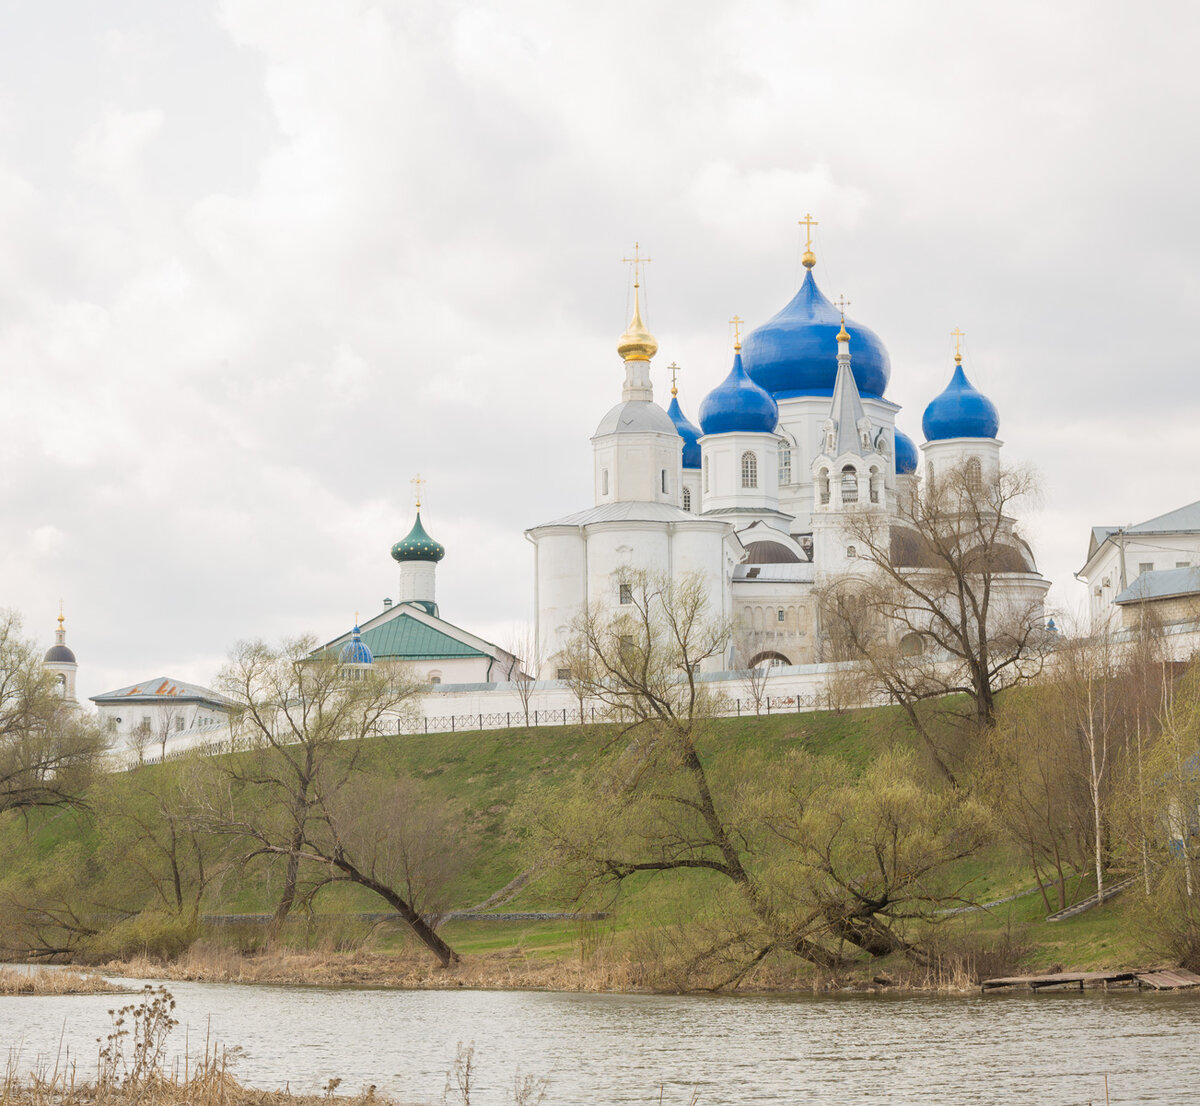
x,y
754,666
939,611
48,748
779,870
523,645
307,717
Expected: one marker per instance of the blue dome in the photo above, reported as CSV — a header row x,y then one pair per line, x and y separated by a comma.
x,y
688,431
738,404
355,650
795,352
906,454
961,411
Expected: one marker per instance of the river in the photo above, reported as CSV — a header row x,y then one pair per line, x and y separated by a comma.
x,y
1047,1049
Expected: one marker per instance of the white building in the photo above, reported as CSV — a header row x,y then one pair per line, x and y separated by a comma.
x,y
163,715
797,439
1130,565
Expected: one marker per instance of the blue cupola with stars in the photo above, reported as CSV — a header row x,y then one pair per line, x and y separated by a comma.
x,y
738,405
789,355
906,454
355,651
687,429
961,411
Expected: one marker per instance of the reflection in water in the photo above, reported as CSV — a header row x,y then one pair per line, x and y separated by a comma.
x,y
611,1049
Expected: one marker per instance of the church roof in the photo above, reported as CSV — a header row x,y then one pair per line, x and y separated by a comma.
x,y
163,689
1182,520
636,416
737,404
408,638
626,512
960,411
846,409
1163,583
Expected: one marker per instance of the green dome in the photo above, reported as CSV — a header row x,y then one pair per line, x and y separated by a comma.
x,y
418,546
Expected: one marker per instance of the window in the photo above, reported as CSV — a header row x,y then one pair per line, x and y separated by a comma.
x,y
823,482
626,593
664,481
974,476
779,616
929,473
179,723
849,485
1183,564
604,482
785,465
435,677
687,499
562,674
749,470
851,552
1145,566
706,474
876,485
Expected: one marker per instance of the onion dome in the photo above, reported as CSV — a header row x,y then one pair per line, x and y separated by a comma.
x,y
906,454
355,651
790,353
738,404
688,431
637,343
961,411
418,546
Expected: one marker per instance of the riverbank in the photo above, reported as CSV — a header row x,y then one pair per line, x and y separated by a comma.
x,y
39,981
220,1090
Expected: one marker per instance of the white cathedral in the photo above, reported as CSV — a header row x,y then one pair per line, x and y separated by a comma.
x,y
757,499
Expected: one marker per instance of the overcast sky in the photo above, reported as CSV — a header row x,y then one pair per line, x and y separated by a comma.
x,y
261,261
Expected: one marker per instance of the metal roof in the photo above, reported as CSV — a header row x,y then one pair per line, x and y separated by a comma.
x,y
1162,583
407,638
626,512
163,689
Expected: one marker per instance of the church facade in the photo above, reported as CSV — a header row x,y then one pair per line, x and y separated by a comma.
x,y
760,498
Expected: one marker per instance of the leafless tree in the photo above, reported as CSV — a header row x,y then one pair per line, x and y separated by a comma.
x,y
940,612
307,718
523,645
753,666
48,748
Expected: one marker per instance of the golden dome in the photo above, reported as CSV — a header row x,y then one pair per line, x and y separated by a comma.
x,y
637,343
809,259
842,335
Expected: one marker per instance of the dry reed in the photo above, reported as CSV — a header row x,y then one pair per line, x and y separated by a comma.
x,y
44,982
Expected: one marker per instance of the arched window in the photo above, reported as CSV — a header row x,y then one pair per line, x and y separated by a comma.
x,y
706,474
687,499
851,552
664,481
604,481
912,645
435,677
849,485
785,465
823,484
929,475
876,485
974,476
749,470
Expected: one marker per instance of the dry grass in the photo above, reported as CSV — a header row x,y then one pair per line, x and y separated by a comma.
x,y
43,982
509,970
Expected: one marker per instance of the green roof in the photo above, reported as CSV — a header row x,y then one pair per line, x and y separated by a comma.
x,y
405,638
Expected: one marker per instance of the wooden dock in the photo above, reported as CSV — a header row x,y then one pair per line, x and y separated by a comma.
x,y
1159,979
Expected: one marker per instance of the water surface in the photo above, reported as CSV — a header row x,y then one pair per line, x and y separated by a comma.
x,y
612,1049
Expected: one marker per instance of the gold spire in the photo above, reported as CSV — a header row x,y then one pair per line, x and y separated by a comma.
x,y
809,258
418,484
637,343
60,614
736,322
674,371
958,336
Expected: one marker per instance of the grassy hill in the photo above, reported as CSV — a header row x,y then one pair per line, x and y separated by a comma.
x,y
483,774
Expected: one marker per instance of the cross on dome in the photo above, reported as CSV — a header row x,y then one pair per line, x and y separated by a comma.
x,y
637,261
673,369
417,484
958,336
736,322
810,258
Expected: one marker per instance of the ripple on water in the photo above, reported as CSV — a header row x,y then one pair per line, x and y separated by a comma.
x,y
616,1049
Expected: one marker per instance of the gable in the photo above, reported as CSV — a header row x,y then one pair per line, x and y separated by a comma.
x,y
406,638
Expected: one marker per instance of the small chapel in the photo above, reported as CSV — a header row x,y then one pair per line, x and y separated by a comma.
x,y
757,498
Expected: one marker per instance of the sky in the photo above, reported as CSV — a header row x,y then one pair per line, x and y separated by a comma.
x,y
262,261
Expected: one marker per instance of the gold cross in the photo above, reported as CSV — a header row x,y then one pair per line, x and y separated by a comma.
x,y
673,369
958,336
808,222
637,260
737,321
841,303
417,484
60,614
